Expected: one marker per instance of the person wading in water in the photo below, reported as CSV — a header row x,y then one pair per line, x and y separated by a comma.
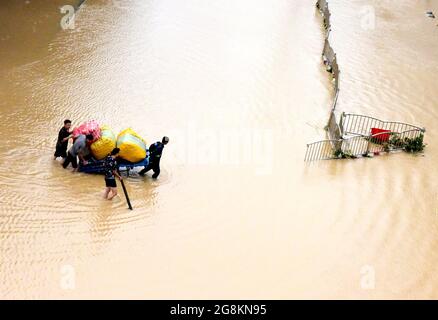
x,y
78,149
110,167
156,149
62,142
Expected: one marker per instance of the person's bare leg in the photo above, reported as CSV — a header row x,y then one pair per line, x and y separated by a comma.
x,y
106,193
114,193
109,196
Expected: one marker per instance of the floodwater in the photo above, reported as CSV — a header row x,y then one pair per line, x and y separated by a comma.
x,y
239,88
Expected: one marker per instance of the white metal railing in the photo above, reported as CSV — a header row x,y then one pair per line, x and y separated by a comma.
x,y
358,145
361,124
352,135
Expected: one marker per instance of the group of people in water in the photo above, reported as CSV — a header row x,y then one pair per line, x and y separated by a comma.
x,y
80,149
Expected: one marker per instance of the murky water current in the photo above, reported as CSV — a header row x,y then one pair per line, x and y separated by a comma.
x,y
239,88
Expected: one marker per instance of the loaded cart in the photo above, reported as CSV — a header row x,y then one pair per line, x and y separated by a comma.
x,y
97,166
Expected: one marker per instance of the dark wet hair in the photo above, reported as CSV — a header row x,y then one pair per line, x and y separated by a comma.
x,y
89,137
67,121
115,151
165,140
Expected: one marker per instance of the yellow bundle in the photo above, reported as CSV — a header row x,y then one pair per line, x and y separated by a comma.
x,y
132,146
105,144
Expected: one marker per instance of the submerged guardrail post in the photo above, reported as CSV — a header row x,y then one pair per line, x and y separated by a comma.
x,y
341,123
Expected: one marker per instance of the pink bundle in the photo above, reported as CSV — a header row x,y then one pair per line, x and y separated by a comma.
x,y
89,127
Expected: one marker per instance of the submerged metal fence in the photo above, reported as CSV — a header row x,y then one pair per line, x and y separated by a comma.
x,y
324,149
321,150
353,134
322,5
336,73
328,51
328,54
333,129
360,124
360,145
331,63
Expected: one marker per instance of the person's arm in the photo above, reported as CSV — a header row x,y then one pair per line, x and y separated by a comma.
x,y
81,157
152,148
67,138
117,174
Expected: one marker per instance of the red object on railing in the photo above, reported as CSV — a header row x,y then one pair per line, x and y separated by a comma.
x,y
382,137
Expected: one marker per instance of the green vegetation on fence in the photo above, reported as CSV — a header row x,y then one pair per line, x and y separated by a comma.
x,y
411,145
343,155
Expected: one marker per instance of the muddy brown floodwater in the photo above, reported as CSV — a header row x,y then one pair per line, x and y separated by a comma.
x,y
239,88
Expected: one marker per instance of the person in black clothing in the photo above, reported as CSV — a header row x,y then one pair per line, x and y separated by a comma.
x,y
62,142
110,166
156,149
